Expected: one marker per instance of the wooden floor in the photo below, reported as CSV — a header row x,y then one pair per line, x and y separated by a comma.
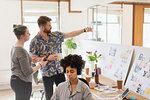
x,y
9,94
6,95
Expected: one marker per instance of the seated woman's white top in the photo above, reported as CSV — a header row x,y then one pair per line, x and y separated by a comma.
x,y
63,92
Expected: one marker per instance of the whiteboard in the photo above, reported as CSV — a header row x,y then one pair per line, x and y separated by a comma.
x,y
139,76
115,60
117,63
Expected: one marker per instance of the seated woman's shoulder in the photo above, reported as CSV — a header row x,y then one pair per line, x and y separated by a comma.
x,y
62,84
84,85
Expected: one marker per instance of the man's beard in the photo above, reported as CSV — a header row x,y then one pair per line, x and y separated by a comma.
x,y
47,31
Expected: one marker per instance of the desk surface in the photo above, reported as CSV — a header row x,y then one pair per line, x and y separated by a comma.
x,y
110,83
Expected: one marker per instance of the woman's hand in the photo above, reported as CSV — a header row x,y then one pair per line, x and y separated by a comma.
x,y
35,58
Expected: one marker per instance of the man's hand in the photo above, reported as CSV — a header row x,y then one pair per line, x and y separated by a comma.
x,y
52,57
88,29
43,63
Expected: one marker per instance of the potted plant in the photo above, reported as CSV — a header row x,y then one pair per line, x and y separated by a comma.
x,y
93,57
70,45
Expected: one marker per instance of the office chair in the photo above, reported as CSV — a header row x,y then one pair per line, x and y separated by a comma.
x,y
83,80
37,81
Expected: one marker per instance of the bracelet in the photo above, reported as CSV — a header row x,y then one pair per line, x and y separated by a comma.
x,y
40,64
85,30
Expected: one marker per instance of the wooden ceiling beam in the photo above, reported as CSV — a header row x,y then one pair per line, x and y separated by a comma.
x,y
46,0
130,3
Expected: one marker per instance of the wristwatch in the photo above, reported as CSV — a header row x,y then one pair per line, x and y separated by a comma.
x,y
85,30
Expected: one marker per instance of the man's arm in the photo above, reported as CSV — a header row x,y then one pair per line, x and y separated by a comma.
x,y
78,32
36,59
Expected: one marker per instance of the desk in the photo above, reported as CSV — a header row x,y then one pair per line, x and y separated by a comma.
x,y
96,95
110,83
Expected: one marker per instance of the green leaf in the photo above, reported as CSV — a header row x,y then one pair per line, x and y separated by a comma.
x,y
71,39
96,60
70,44
95,55
74,45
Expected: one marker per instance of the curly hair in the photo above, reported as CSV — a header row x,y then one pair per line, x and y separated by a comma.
x,y
74,61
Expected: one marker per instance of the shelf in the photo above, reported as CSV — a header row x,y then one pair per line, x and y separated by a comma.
x,y
95,16
96,23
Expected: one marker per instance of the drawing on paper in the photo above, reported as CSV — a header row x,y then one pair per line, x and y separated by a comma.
x,y
139,76
118,62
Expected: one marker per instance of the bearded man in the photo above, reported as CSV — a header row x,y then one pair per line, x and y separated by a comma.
x,y
47,44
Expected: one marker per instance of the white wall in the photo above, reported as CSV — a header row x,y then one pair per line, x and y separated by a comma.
x,y
72,21
127,25
10,14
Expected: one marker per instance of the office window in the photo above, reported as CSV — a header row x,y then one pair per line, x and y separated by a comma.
x,y
111,29
146,28
31,12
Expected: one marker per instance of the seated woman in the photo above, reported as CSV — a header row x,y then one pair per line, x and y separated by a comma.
x,y
73,88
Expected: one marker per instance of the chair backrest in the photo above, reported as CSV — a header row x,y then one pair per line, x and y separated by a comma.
x,y
83,80
83,64
35,76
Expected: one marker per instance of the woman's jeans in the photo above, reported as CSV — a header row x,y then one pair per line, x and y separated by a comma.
x,y
22,89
